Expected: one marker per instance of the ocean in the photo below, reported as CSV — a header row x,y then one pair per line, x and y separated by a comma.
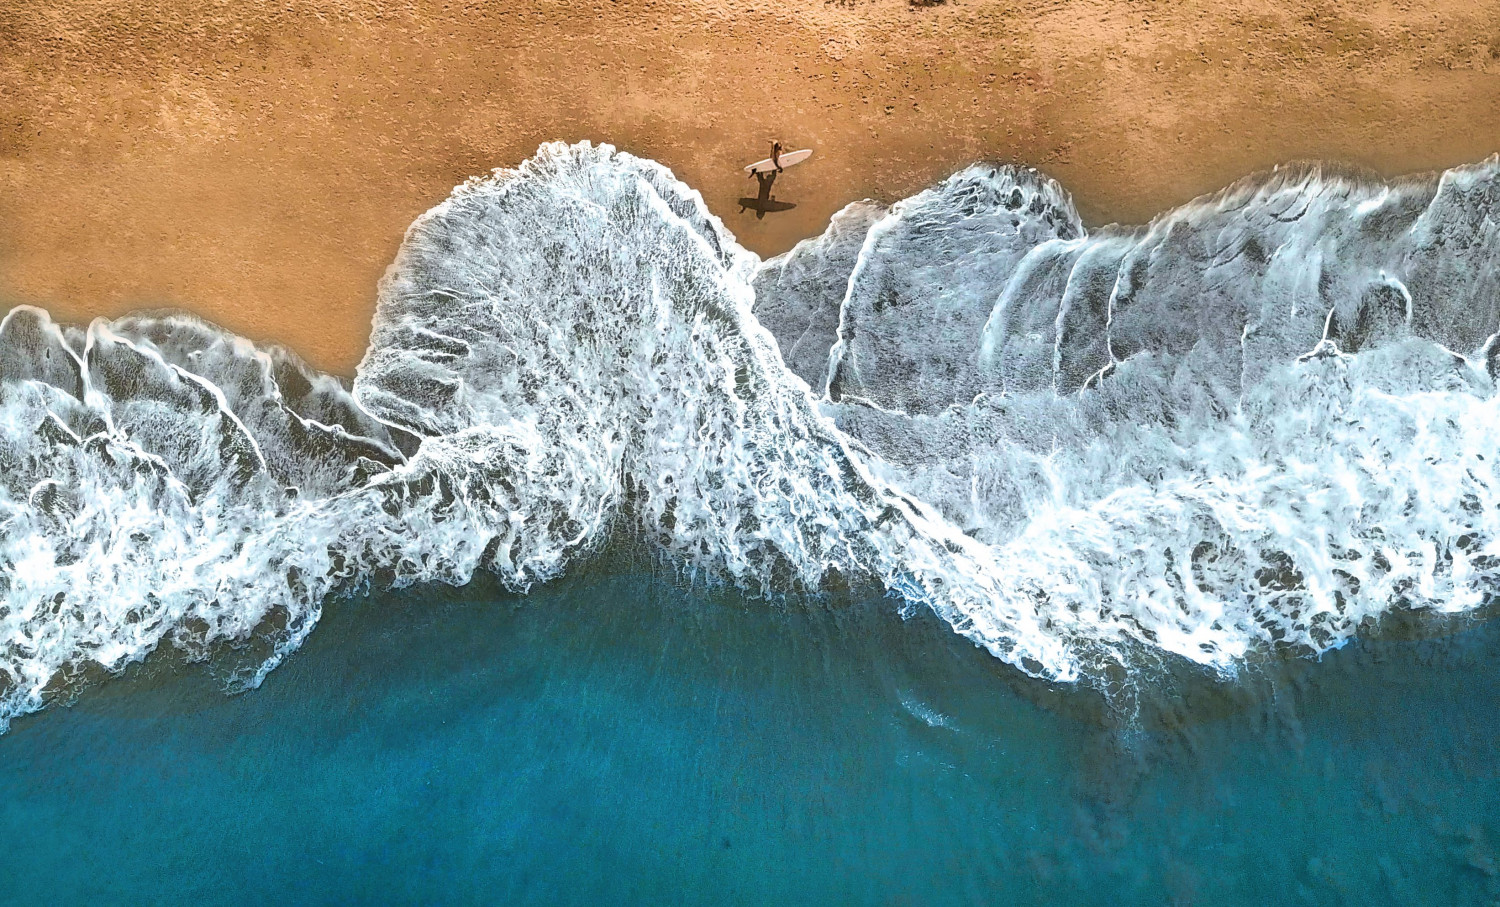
x,y
962,554
617,738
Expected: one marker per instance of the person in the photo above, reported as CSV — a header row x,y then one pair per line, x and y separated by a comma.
x,y
775,159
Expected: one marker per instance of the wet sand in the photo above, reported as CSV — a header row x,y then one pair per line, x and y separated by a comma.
x,y
258,164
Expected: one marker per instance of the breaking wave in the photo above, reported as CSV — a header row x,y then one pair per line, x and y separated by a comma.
x,y
1247,427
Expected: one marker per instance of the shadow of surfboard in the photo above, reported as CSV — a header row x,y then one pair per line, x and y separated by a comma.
x,y
762,207
763,201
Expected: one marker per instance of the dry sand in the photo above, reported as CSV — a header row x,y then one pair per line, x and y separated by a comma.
x,y
258,162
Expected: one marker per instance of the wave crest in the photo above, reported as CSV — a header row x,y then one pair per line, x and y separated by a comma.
x,y
1249,425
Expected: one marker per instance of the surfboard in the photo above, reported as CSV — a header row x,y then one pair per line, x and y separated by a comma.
x,y
788,158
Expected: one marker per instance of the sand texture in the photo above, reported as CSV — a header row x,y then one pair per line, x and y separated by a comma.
x,y
258,162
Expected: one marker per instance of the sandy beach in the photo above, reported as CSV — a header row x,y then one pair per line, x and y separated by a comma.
x,y
258,163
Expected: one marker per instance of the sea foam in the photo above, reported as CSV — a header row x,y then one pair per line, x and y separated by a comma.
x,y
1241,430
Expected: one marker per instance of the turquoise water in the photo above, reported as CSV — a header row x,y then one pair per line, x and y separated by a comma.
x,y
618,738
1260,427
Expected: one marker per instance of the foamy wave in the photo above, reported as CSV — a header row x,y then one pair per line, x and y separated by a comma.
x,y
1246,427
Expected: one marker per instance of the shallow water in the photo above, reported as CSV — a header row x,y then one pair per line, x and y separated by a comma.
x,y
622,739
1240,432
1195,527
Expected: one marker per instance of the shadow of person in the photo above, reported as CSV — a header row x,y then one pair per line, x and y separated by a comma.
x,y
764,201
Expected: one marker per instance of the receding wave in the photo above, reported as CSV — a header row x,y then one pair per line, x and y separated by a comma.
x,y
1247,427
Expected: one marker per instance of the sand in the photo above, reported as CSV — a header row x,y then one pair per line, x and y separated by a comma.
x,y
258,163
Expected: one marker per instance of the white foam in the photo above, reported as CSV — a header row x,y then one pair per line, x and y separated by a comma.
x,y
1243,428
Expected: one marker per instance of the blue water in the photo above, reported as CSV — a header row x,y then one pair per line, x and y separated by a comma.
x,y
1196,524
617,737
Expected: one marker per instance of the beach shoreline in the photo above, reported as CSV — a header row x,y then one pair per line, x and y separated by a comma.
x,y
259,166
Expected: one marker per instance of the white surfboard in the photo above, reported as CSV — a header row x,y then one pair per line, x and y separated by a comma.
x,y
788,158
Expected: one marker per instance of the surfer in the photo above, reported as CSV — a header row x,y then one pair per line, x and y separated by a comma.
x,y
775,159
765,172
